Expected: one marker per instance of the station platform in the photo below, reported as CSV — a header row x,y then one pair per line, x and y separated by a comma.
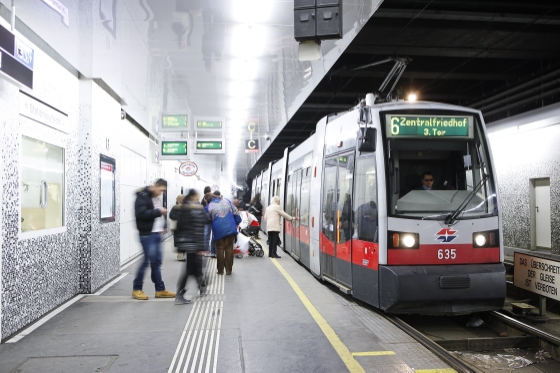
x,y
270,315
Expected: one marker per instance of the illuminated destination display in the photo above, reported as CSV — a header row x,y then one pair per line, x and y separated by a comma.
x,y
173,148
428,126
174,121
209,124
209,145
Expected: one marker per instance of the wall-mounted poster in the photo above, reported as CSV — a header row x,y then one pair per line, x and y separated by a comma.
x,y
106,188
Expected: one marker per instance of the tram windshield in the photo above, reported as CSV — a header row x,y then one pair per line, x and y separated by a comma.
x,y
438,166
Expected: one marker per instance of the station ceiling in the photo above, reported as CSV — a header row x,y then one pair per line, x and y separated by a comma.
x,y
501,56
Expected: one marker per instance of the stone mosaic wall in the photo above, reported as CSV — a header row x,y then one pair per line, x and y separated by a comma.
x,y
520,158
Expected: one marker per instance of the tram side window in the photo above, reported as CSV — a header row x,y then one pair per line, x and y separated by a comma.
x,y
290,197
365,199
329,199
304,216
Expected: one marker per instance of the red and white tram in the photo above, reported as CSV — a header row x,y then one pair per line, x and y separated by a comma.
x,y
369,226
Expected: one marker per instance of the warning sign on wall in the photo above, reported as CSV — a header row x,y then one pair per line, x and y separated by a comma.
x,y
537,275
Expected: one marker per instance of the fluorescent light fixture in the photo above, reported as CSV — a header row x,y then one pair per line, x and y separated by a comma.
x,y
249,41
309,51
240,103
244,69
251,11
241,88
412,97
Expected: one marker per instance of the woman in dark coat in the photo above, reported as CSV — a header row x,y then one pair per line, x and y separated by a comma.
x,y
189,238
256,208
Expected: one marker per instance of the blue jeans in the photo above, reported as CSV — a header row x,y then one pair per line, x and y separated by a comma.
x,y
207,232
152,254
213,248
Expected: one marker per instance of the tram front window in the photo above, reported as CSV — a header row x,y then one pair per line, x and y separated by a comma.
x,y
438,165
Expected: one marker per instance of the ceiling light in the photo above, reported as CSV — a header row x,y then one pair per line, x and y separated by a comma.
x,y
412,97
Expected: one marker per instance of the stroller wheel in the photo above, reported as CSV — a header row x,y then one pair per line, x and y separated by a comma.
x,y
260,253
239,256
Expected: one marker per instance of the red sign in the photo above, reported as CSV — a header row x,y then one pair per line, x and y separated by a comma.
x,y
188,168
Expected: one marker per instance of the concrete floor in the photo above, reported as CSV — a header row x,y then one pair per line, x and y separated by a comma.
x,y
254,319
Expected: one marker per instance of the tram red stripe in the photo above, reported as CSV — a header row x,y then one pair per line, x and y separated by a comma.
x,y
428,254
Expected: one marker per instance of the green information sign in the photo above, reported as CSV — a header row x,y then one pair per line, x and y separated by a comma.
x,y
209,124
428,126
174,121
209,145
173,148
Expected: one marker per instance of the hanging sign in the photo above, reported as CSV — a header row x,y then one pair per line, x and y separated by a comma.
x,y
174,122
188,168
16,59
60,8
251,146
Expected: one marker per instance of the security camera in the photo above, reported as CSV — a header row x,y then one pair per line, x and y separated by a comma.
x,y
267,137
123,114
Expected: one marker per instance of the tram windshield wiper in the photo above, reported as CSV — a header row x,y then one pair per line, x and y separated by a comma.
x,y
450,219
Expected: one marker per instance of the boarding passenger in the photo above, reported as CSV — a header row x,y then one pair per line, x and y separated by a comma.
x,y
224,228
150,221
207,227
427,180
189,238
273,217
173,223
256,208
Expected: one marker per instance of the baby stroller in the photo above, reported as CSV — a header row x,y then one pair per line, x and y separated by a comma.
x,y
250,230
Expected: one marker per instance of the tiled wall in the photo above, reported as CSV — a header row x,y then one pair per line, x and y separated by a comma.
x,y
520,158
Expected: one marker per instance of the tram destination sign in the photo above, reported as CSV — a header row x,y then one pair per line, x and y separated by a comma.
x,y
429,126
174,122
209,124
212,146
173,148
537,275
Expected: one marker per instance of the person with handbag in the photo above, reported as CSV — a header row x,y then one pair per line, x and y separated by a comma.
x,y
189,238
273,217
173,224
225,220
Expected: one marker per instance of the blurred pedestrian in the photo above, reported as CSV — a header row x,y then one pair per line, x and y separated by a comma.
x,y
207,227
173,223
273,217
256,208
150,221
224,229
189,238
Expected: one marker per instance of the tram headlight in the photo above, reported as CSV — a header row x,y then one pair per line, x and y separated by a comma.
x,y
480,240
403,240
486,239
409,240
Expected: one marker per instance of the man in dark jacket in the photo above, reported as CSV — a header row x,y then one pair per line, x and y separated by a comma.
x,y
207,227
150,222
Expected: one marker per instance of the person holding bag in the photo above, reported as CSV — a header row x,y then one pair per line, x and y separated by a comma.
x,y
189,238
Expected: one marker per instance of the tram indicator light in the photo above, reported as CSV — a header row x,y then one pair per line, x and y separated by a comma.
x,y
436,126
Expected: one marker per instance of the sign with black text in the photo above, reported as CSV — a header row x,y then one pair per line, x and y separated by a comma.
x,y
537,275
16,59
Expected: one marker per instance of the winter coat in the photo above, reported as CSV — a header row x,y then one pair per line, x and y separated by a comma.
x,y
223,222
145,212
256,209
273,216
191,219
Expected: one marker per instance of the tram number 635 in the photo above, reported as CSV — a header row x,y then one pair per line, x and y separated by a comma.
x,y
446,254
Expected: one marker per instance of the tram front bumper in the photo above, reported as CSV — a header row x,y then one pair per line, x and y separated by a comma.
x,y
445,289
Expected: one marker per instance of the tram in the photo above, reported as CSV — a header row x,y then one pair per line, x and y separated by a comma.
x,y
398,206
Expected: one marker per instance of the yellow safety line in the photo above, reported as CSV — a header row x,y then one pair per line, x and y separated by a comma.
x,y
445,370
373,353
352,365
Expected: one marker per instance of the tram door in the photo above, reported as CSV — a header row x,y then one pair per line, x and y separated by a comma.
x,y
296,247
337,225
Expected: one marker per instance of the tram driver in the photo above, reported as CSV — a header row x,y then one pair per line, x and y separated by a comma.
x,y
427,180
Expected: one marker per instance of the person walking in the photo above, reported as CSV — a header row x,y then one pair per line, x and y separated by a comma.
x,y
273,217
256,208
150,221
173,223
189,238
207,227
224,229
